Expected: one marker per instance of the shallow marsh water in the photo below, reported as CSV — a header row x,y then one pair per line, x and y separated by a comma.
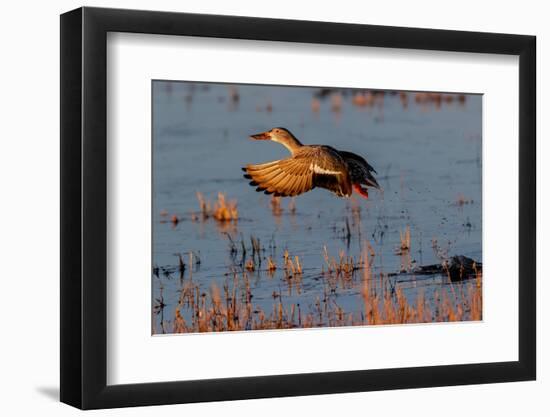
x,y
427,154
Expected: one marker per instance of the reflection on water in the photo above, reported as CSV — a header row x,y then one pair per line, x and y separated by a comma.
x,y
226,257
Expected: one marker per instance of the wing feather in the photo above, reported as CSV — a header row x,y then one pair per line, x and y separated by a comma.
x,y
266,176
292,185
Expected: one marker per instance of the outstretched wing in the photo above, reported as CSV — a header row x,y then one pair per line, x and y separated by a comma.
x,y
287,177
310,167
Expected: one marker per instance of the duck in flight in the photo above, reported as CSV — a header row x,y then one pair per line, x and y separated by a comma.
x,y
308,167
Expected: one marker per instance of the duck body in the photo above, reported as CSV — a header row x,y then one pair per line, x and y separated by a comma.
x,y
310,166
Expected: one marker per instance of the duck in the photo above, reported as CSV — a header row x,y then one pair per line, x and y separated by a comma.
x,y
309,167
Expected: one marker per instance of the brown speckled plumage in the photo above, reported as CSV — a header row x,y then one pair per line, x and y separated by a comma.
x,y
309,166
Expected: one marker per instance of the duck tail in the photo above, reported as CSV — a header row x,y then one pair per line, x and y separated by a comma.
x,y
371,181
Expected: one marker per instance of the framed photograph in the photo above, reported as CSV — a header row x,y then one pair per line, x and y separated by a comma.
x,y
258,208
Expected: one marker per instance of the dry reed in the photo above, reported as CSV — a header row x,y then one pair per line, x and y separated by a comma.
x,y
222,210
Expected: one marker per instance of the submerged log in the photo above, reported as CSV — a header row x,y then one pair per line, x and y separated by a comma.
x,y
457,268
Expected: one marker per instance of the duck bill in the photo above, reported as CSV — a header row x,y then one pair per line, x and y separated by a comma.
x,y
261,136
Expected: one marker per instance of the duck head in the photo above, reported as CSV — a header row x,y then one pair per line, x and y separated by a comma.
x,y
279,135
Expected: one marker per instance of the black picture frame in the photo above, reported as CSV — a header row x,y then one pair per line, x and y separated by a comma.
x,y
84,207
